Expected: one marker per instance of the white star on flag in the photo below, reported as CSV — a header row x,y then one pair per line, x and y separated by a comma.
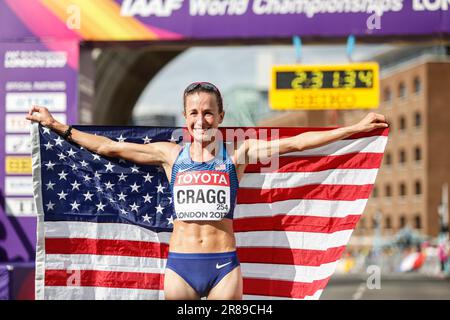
x,y
71,153
146,140
48,146
46,130
87,196
135,187
96,157
159,209
49,165
50,205
160,188
109,167
62,175
134,207
84,163
148,178
170,220
87,178
122,177
62,195
75,205
122,196
121,138
75,185
109,185
146,218
147,198
100,206
58,141
134,169
97,175
50,185
61,156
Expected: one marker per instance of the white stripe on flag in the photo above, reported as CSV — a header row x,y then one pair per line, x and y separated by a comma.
x,y
100,293
280,239
316,296
297,179
106,231
292,239
374,144
312,208
306,274
75,262
104,263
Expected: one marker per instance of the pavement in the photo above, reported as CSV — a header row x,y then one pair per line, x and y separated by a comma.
x,y
395,286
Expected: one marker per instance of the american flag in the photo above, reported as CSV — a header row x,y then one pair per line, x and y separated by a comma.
x,y
104,224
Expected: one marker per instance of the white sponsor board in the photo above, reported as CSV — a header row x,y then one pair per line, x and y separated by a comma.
x,y
18,186
19,101
16,122
18,144
20,207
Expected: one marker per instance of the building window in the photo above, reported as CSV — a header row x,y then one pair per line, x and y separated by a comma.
x,y
375,192
387,96
418,188
417,222
402,123
402,156
402,189
387,159
388,190
417,119
417,154
362,224
401,90
374,223
417,85
388,223
402,221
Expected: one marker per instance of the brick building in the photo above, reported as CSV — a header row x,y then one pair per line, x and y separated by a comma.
x,y
415,97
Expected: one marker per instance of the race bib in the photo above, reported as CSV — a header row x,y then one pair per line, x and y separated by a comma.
x,y
201,195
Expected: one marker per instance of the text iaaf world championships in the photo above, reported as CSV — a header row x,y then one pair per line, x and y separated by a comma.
x,y
165,8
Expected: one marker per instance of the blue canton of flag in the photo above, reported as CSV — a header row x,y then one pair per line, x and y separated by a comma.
x,y
79,185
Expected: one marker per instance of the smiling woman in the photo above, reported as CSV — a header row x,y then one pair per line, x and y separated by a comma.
x,y
204,180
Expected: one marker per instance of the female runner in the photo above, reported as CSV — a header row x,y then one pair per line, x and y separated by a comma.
x,y
204,178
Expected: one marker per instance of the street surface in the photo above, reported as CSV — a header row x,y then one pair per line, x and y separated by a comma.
x,y
392,287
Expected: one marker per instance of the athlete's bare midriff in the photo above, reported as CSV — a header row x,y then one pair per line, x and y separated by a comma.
x,y
202,236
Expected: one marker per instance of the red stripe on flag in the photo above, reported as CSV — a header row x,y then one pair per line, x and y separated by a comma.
x,y
320,163
110,279
283,288
300,257
332,192
106,247
270,133
251,255
296,223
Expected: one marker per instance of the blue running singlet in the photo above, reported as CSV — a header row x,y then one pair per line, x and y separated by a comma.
x,y
204,190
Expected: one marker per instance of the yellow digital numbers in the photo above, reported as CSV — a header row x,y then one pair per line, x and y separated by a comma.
x,y
350,86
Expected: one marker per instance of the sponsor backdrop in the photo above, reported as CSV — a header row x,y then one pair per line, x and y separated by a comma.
x,y
39,54
207,19
30,73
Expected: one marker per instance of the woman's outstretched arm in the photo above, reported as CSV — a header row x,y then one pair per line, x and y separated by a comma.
x,y
256,149
152,153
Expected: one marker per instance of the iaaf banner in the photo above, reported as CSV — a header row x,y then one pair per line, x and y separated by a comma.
x,y
221,19
41,73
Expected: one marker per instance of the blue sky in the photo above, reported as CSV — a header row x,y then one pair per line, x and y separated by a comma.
x,y
230,67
